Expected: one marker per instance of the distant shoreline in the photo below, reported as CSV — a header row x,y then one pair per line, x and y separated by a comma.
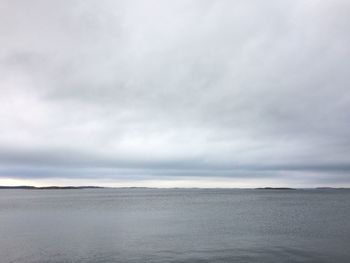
x,y
28,187
275,188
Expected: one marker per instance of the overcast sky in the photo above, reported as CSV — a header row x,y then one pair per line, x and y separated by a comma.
x,y
233,93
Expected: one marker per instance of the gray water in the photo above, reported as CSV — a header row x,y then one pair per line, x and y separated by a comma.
x,y
177,225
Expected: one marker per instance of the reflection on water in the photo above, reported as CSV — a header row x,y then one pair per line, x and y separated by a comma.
x,y
175,225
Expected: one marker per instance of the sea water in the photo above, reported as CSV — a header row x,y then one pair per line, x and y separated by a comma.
x,y
174,225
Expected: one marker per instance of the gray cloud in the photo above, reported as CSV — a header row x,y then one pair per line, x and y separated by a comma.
x,y
163,89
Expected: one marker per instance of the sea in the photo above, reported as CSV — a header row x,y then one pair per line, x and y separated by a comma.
x,y
174,225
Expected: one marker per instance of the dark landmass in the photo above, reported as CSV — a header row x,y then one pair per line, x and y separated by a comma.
x,y
17,187
275,188
26,187
330,188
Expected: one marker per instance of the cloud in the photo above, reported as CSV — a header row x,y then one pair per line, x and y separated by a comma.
x,y
164,89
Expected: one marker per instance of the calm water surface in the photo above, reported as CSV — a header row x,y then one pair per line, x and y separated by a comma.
x,y
177,225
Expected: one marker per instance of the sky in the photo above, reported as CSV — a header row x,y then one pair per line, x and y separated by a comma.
x,y
185,93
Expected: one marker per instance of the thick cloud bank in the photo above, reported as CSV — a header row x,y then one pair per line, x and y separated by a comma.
x,y
164,90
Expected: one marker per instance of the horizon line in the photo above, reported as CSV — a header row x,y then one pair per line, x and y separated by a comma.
x,y
33,187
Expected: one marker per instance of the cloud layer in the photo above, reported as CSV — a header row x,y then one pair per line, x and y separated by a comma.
x,y
164,90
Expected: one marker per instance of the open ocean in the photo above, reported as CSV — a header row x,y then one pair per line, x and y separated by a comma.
x,y
174,225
